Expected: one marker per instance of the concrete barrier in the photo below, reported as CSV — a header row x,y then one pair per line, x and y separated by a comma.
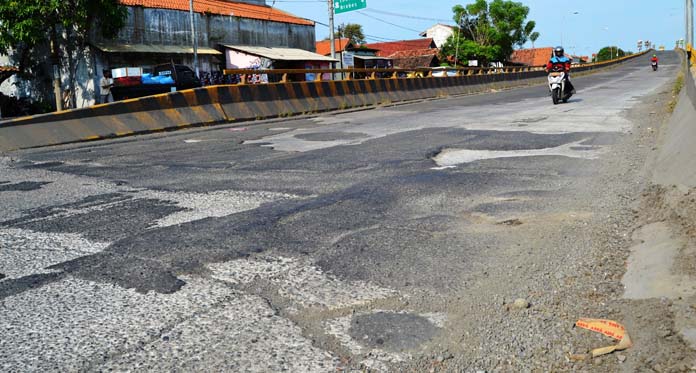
x,y
232,103
676,160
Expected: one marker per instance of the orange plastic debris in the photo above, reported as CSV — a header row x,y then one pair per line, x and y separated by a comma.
x,y
610,329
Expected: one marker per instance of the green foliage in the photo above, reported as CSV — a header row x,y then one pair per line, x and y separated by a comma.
x,y
352,31
26,24
608,53
490,31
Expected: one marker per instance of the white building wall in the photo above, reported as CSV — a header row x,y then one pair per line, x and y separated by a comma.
x,y
439,33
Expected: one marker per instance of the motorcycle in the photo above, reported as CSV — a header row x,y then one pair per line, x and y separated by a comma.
x,y
557,86
654,65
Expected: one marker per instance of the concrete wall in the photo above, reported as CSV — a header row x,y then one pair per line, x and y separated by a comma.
x,y
439,33
676,162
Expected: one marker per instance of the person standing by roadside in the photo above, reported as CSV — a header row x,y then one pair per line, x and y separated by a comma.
x,y
105,84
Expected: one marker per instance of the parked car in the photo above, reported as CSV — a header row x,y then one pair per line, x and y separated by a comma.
x,y
163,78
444,71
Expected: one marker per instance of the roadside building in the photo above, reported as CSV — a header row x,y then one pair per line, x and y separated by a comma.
x,y
350,55
439,33
413,59
385,49
252,57
408,54
532,56
159,31
579,59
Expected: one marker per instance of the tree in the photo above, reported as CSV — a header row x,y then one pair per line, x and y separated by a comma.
x,y
533,37
489,31
607,53
28,25
352,31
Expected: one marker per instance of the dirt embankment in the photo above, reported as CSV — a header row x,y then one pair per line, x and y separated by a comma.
x,y
667,264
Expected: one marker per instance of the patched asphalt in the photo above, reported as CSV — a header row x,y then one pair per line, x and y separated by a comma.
x,y
342,201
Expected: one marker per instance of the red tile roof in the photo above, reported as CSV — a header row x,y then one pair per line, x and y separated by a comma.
x,y
388,48
324,46
223,7
532,57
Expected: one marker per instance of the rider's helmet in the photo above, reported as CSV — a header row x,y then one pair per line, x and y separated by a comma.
x,y
558,52
654,56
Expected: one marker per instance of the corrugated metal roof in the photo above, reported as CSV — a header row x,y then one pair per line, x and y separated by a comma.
x,y
280,54
153,48
222,7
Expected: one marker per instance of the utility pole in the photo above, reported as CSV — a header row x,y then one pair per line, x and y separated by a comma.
x,y
332,36
195,40
690,23
331,29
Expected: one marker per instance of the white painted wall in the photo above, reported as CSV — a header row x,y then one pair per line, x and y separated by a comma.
x,y
439,33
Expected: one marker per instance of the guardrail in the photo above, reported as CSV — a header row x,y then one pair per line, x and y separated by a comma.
x,y
251,76
692,53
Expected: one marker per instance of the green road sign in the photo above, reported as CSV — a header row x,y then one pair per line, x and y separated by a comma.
x,y
342,6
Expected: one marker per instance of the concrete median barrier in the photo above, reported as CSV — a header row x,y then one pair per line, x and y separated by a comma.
x,y
233,103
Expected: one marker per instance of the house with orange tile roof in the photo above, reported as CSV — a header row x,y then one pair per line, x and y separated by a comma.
x,y
409,54
532,56
350,55
385,49
416,58
323,47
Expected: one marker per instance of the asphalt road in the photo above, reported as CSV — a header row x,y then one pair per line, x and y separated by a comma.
x,y
339,240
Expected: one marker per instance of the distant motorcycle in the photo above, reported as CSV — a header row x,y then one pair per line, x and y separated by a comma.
x,y
654,65
557,86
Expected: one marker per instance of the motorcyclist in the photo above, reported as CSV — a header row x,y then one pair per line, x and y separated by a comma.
x,y
654,60
560,63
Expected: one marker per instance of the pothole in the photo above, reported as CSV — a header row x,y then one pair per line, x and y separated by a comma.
x,y
24,186
531,120
395,332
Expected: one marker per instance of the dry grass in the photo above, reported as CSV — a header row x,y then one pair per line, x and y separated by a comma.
x,y
676,89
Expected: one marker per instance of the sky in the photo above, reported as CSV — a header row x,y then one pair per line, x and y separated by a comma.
x,y
598,23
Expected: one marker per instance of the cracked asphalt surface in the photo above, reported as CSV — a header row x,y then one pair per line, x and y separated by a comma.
x,y
385,239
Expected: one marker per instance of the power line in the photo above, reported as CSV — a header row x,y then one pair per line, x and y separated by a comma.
x,y
405,15
389,23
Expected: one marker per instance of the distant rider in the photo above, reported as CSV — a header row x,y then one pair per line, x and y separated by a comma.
x,y
654,60
560,63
